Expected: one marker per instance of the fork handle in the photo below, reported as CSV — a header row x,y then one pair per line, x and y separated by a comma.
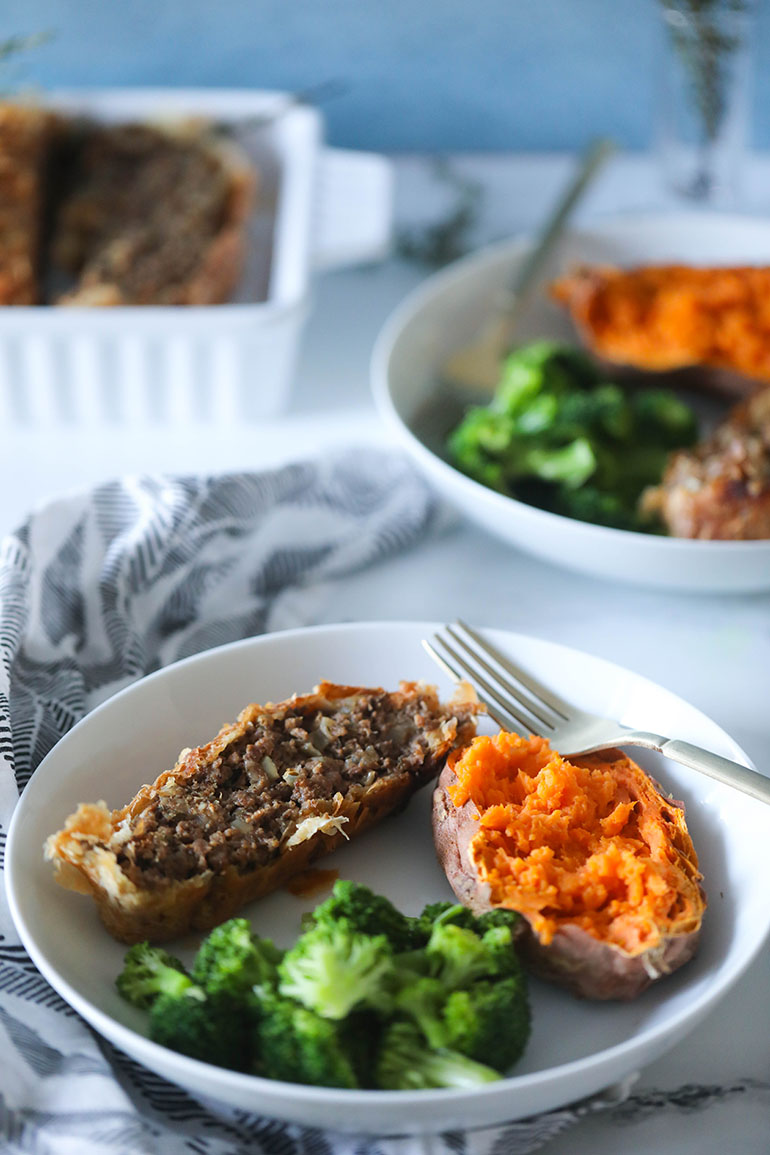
x,y
713,765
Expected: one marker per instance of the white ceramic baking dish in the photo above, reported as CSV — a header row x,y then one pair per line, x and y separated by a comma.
x,y
318,208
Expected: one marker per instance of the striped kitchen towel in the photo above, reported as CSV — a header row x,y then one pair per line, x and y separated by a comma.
x,y
97,590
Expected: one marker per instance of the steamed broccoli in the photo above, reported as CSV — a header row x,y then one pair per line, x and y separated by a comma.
x,y
541,368
297,1045
423,1000
406,1063
474,999
570,464
232,960
499,945
213,1028
458,915
489,1022
332,968
183,1015
662,419
457,956
366,997
445,912
149,972
596,506
556,436
369,913
500,916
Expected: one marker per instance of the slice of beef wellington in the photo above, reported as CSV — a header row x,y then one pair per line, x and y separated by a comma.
x,y
238,817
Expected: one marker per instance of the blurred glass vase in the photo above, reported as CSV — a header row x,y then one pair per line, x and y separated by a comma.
x,y
704,107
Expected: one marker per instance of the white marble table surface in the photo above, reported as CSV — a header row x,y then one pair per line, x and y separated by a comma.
x,y
714,651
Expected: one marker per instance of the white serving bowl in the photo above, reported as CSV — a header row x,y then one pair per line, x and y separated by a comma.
x,y
446,312
578,1047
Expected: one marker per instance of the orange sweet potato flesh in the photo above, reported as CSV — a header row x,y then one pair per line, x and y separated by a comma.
x,y
660,318
594,857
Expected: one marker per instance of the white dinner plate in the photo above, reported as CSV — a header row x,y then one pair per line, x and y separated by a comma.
x,y
449,310
576,1048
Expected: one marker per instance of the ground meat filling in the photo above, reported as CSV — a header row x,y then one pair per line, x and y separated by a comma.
x,y
720,490
237,809
144,208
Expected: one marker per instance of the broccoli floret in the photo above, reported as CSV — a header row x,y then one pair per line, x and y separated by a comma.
x,y
333,969
459,915
538,368
500,916
423,1000
570,465
297,1045
149,972
469,1023
502,958
597,506
601,411
446,912
232,959
213,1028
489,1022
539,417
458,956
478,443
662,419
488,941
406,1063
626,477
369,913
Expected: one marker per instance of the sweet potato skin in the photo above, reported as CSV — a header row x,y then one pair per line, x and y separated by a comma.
x,y
574,959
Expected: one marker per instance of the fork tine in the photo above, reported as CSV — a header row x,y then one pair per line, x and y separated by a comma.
x,y
499,708
535,708
564,710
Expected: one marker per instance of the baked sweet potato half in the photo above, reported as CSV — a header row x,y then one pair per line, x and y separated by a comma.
x,y
709,326
596,859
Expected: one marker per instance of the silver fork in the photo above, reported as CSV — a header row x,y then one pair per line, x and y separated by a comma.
x,y
519,702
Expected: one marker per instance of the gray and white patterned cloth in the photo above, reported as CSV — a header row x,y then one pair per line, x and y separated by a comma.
x,y
97,590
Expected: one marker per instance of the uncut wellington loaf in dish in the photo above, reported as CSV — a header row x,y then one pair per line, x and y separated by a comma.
x,y
592,855
236,818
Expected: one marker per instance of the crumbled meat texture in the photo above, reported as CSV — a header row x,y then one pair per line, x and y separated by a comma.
x,y
145,206
721,488
236,809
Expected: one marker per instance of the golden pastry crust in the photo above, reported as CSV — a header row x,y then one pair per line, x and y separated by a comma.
x,y
26,133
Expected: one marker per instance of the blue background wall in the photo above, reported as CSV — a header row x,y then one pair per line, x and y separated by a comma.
x,y
417,74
